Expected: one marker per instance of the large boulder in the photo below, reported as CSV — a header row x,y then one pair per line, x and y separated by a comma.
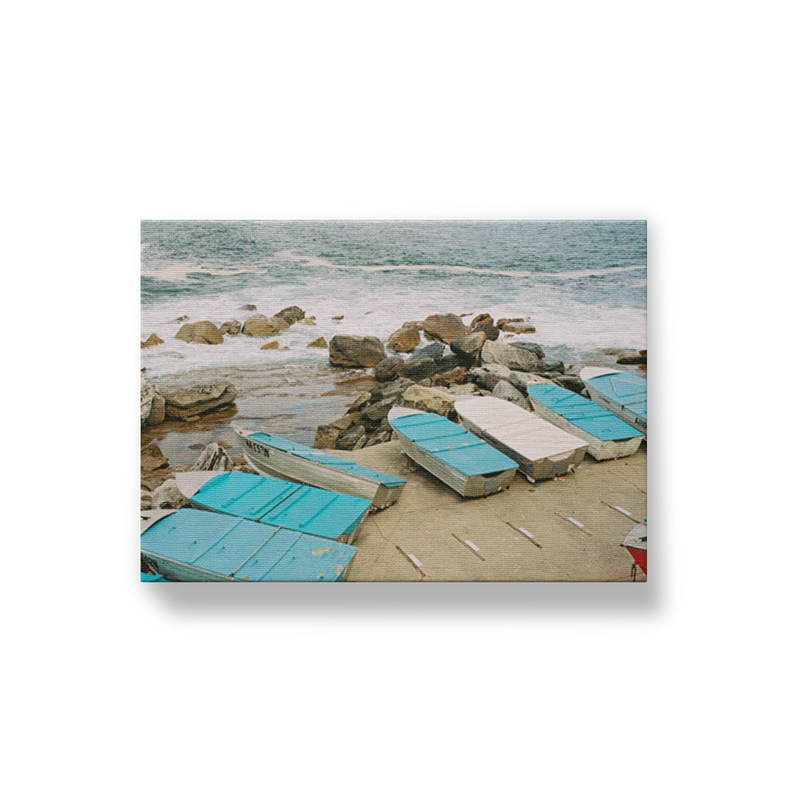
x,y
204,332
638,358
509,356
378,411
444,327
326,437
530,346
488,377
518,327
388,369
355,351
428,399
392,389
468,348
404,340
262,326
571,382
291,314
152,458
353,439
417,369
192,402
433,351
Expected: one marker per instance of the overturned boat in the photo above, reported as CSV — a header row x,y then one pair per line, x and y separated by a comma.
x,y
191,545
622,393
607,436
282,458
275,502
452,454
636,544
540,448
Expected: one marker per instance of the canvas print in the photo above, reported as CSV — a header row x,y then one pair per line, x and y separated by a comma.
x,y
393,400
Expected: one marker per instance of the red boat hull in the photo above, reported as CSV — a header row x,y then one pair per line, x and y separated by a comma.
x,y
639,557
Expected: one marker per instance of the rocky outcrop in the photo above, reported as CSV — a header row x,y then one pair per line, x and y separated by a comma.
x,y
444,328
405,339
318,342
204,332
198,400
152,458
355,351
509,356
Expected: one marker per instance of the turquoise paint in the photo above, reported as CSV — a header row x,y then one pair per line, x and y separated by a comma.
x,y
319,457
450,443
275,502
624,389
583,413
243,550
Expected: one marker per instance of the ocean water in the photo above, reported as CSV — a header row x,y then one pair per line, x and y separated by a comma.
x,y
583,284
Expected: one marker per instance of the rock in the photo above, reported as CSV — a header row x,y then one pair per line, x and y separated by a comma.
x,y
168,495
248,307
393,389
379,438
343,423
456,375
508,356
147,393
232,328
291,314
354,439
261,326
319,342
388,369
489,378
549,366
273,345
404,340
505,391
468,348
158,411
571,382
187,403
146,501
152,458
180,319
338,319
151,341
204,332
355,351
480,319
509,321
308,321
378,411
516,327
531,347
326,437
360,401
433,351
418,369
433,400
639,358
519,380
213,459
444,327
462,389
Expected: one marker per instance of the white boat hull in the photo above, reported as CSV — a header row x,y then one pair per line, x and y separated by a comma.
x,y
279,464
598,449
